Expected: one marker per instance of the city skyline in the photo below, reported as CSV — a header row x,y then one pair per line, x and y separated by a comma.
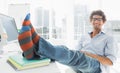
x,y
56,25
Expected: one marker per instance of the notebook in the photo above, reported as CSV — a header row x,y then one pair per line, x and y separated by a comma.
x,y
20,63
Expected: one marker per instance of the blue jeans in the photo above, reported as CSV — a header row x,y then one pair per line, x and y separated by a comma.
x,y
77,60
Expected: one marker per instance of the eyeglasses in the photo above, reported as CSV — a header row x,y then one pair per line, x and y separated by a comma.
x,y
98,19
0,38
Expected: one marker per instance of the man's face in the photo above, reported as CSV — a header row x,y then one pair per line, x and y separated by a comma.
x,y
97,22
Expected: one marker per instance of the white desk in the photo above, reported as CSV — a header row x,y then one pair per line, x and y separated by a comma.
x,y
12,49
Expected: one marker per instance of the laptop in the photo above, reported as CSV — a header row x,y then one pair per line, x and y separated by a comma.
x,y
10,27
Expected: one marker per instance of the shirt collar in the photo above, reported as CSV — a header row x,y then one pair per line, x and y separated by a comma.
x,y
101,32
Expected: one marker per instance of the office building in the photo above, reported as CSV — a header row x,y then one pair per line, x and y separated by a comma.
x,y
81,21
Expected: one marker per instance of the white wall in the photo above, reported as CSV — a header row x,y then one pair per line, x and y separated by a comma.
x,y
4,6
111,8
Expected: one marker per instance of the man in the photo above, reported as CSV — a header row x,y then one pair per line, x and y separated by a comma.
x,y
96,51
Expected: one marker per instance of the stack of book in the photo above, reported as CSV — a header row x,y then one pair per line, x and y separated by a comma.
x,y
20,63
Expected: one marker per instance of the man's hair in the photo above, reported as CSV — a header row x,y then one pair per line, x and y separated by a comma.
x,y
100,13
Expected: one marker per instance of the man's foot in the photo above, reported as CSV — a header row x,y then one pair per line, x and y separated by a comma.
x,y
27,22
26,43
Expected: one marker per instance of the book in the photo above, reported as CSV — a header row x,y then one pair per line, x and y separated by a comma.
x,y
20,63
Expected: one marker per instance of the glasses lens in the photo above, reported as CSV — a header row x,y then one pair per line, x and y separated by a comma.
x,y
98,19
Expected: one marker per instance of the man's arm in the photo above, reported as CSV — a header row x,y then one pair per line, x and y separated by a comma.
x,y
103,60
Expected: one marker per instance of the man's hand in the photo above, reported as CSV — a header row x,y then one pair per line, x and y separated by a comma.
x,y
103,60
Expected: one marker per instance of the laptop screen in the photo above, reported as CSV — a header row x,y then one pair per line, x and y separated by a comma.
x,y
10,27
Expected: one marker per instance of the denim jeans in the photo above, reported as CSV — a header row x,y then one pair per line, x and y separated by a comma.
x,y
77,60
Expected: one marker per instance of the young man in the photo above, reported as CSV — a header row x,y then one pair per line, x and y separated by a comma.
x,y
96,51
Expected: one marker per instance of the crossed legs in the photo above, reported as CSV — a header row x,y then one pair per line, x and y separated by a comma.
x,y
33,44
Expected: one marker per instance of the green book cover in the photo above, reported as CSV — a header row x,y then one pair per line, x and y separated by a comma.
x,y
19,67
20,63
19,59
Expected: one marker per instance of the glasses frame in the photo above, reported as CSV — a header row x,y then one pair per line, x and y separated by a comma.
x,y
98,19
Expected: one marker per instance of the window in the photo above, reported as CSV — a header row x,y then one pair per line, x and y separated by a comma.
x,y
68,19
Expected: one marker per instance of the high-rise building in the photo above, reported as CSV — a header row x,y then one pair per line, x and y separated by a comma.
x,y
47,25
42,21
81,20
59,29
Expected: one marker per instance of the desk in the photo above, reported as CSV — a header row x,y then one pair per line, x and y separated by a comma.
x,y
12,49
